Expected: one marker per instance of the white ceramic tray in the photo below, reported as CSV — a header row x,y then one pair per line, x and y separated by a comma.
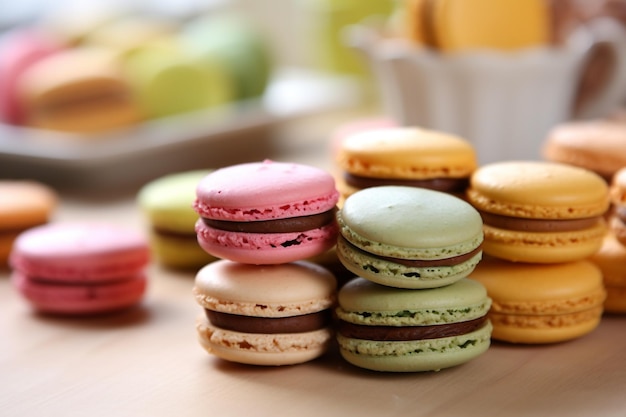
x,y
201,139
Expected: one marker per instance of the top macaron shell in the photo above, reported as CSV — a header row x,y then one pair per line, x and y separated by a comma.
x,y
536,211
80,252
263,191
408,223
407,153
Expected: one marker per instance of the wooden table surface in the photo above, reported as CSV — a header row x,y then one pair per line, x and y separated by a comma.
x,y
147,361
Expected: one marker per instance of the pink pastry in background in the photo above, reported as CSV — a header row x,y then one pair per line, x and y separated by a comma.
x,y
266,212
76,268
18,51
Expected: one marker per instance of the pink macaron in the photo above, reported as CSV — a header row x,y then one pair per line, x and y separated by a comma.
x,y
80,268
18,51
266,212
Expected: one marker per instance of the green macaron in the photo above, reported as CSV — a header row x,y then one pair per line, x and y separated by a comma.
x,y
401,330
408,237
167,204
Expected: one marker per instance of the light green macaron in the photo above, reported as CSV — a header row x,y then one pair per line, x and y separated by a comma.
x,y
409,237
401,330
167,203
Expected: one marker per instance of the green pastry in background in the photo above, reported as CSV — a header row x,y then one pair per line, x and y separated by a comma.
x,y
167,204
167,80
235,41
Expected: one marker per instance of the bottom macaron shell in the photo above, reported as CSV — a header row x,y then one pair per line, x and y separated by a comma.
x,y
415,356
265,248
505,332
262,349
396,275
542,247
179,252
50,297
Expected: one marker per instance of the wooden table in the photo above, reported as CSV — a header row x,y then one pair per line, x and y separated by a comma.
x,y
147,362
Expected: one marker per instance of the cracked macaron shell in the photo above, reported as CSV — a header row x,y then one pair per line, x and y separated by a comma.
x,y
538,189
410,223
366,303
264,191
283,290
407,153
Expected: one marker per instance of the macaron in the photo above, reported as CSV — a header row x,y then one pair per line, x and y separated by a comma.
x,y
19,49
409,237
80,90
166,80
23,204
597,145
265,314
167,203
611,259
266,212
80,268
617,191
542,303
238,44
406,156
399,330
538,211
461,25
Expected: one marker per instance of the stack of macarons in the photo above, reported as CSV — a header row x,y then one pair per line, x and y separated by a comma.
x,y
264,303
405,156
542,222
80,268
129,69
411,307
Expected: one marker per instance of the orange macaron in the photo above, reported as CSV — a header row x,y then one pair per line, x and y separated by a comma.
x,y
23,204
611,259
539,212
542,303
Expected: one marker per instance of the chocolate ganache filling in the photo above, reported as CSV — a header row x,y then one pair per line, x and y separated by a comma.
x,y
538,225
448,185
269,325
405,333
422,263
288,225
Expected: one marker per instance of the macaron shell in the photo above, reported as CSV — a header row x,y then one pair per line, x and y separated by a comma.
x,y
618,187
490,24
595,145
543,247
364,302
265,291
25,204
80,299
79,252
265,248
179,252
611,259
407,153
168,201
265,190
538,189
410,223
534,303
260,349
393,274
415,356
